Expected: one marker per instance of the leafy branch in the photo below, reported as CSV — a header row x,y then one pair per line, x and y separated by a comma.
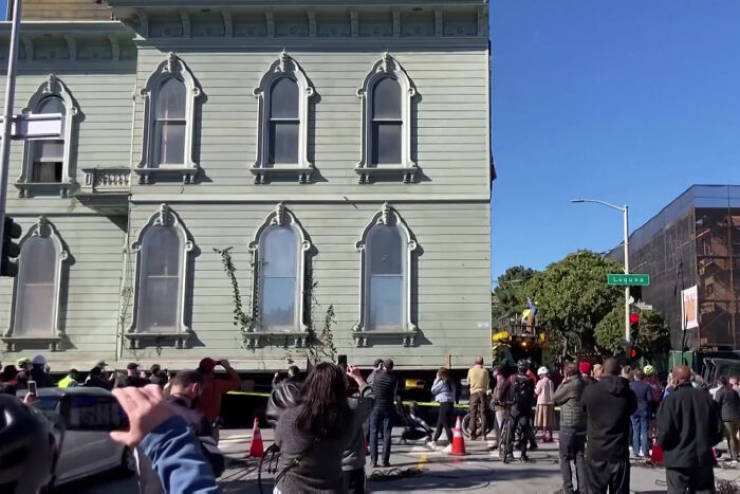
x,y
242,318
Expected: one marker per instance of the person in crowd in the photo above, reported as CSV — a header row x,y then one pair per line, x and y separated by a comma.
x,y
735,384
687,442
385,389
522,399
501,401
443,390
626,372
71,380
572,428
291,377
9,380
38,373
609,404
377,367
314,435
729,404
652,380
165,439
96,379
598,371
641,418
353,459
157,375
214,388
545,416
133,378
478,380
585,368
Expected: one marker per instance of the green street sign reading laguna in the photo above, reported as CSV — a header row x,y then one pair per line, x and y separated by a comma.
x,y
628,279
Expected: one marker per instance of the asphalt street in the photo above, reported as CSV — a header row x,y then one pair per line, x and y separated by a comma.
x,y
480,471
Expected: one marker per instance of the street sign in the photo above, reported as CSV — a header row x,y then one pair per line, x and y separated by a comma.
x,y
628,279
36,126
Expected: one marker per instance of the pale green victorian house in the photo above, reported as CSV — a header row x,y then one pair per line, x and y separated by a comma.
x,y
339,151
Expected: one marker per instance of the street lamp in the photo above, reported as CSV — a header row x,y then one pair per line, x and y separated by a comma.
x,y
625,213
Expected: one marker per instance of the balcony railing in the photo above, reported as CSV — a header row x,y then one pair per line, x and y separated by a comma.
x,y
108,180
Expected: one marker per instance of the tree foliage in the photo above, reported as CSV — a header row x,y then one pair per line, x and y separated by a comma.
x,y
509,297
572,297
651,340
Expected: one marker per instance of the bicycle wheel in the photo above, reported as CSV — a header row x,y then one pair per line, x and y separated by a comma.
x,y
466,425
505,440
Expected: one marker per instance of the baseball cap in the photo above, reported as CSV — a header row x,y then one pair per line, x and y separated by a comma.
x,y
22,361
132,365
101,364
584,367
207,364
39,360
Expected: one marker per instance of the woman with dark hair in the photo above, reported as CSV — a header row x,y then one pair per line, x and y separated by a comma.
x,y
443,390
313,435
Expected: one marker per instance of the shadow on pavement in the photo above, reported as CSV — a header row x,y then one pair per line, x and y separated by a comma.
x,y
457,479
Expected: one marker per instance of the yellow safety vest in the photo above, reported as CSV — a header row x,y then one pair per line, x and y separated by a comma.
x,y
66,381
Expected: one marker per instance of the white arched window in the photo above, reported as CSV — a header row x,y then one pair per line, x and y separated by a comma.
x,y
280,247
386,271
47,163
162,249
37,288
171,94
282,142
387,95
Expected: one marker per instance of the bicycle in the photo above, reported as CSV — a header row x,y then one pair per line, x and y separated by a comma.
x,y
466,424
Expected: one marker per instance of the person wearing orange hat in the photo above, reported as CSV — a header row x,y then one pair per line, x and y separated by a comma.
x,y
213,388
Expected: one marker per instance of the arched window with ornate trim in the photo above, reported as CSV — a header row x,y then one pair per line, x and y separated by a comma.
x,y
386,247
163,250
171,95
280,249
284,96
387,95
38,286
47,163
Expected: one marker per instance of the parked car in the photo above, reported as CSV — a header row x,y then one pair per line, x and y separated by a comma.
x,y
83,452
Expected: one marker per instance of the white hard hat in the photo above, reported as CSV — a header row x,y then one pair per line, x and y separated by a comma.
x,y
39,360
542,371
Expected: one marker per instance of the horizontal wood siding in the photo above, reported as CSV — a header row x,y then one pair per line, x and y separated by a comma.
x,y
449,123
453,279
90,299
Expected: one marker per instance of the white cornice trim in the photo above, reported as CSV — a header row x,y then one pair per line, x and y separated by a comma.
x,y
308,198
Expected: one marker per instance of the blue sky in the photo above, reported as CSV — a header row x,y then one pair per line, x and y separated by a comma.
x,y
629,102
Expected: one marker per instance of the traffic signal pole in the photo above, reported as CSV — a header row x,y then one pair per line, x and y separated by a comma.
x,y
625,211
8,115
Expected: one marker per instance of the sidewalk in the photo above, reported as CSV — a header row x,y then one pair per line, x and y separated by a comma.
x,y
480,471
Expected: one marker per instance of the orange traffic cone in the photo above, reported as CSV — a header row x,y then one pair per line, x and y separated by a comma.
x,y
458,443
256,448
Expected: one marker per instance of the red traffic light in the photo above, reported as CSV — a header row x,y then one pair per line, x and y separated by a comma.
x,y
633,353
634,319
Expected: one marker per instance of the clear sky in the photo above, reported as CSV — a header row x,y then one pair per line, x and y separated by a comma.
x,y
629,102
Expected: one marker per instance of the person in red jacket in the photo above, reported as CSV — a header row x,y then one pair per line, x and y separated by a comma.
x,y
213,388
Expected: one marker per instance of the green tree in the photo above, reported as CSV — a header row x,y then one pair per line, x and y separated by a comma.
x,y
651,340
509,297
572,297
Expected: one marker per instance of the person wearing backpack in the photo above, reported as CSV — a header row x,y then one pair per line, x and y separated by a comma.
x,y
522,400
443,390
572,429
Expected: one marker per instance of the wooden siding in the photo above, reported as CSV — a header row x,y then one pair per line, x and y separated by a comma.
x,y
65,10
450,121
453,295
91,297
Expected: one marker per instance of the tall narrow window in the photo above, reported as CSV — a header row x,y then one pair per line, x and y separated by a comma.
x,y
387,138
278,278
162,251
170,123
47,163
386,279
284,122
48,155
280,247
171,95
38,285
282,146
387,94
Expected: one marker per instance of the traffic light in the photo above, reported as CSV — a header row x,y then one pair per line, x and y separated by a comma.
x,y
634,321
11,250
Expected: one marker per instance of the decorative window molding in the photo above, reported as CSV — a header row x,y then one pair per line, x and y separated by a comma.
x,y
157,270
152,162
369,166
294,122
48,163
280,222
40,279
405,328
